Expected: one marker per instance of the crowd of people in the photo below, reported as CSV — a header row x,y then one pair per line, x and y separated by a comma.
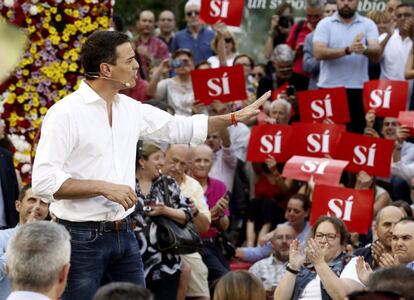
x,y
132,146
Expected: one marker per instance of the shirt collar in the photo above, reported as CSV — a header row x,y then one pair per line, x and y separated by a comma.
x,y
357,18
27,295
89,95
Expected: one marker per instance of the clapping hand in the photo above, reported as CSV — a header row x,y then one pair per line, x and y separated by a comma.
x,y
363,270
315,253
296,255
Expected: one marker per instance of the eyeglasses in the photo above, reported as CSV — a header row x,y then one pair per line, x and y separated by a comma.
x,y
378,295
405,15
192,13
228,40
330,237
390,123
258,75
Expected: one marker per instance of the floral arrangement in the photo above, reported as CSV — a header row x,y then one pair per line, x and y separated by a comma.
x,y
49,68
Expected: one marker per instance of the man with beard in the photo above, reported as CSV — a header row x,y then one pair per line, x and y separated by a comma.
x,y
270,270
344,42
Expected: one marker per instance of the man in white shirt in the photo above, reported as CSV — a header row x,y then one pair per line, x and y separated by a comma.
x,y
38,261
85,161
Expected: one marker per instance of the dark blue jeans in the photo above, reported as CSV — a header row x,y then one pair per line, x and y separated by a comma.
x,y
99,256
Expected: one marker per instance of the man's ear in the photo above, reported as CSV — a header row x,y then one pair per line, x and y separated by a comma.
x,y
105,69
17,204
63,274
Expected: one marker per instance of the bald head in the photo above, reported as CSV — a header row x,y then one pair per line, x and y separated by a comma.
x,y
389,212
385,221
202,149
146,23
201,162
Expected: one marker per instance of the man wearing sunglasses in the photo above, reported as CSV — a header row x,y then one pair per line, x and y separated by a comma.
x,y
195,36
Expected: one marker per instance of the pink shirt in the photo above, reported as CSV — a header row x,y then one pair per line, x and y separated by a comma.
x,y
301,35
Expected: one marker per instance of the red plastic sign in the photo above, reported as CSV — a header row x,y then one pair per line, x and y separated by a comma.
x,y
386,97
322,170
271,140
229,12
318,105
225,84
354,207
373,155
317,140
407,118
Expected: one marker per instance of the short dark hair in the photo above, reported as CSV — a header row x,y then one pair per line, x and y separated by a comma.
x,y
404,5
23,191
395,279
100,47
122,291
182,51
404,205
251,60
337,223
306,204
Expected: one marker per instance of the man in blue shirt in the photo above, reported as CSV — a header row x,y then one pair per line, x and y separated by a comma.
x,y
30,208
344,42
195,36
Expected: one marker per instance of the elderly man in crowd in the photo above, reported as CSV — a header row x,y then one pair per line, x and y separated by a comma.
x,y
38,258
30,208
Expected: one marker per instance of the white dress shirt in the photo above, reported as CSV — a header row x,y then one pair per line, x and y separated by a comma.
x,y
224,166
25,295
78,142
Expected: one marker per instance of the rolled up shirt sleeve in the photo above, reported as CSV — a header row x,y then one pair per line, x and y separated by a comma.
x,y
164,127
403,170
51,153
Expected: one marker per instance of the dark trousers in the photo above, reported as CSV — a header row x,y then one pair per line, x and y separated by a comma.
x,y
101,255
215,261
356,111
166,287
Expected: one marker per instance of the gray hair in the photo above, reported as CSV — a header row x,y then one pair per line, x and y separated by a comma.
x,y
36,254
283,53
192,2
314,4
284,102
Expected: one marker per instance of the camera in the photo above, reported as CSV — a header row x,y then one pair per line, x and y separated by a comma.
x,y
290,90
285,21
178,63
147,209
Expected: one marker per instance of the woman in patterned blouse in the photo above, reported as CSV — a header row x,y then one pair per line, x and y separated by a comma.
x,y
162,269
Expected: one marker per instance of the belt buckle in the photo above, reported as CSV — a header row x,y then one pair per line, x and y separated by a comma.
x,y
118,225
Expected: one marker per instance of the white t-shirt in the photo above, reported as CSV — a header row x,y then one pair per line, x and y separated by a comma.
x,y
349,272
178,95
312,291
215,63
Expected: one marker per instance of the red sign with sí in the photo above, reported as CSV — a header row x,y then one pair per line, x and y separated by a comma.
x,y
229,12
317,140
271,140
407,118
322,170
318,105
373,155
354,207
225,84
386,97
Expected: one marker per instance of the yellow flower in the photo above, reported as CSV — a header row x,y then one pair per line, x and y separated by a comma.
x,y
68,11
76,14
73,67
33,112
65,38
78,24
63,81
43,110
31,29
55,39
9,14
35,102
53,10
28,21
52,30
12,88
25,72
36,123
20,99
46,25
10,99
19,84
26,107
58,17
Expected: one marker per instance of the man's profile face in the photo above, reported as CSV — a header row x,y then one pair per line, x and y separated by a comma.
x,y
126,66
402,15
214,141
31,208
176,162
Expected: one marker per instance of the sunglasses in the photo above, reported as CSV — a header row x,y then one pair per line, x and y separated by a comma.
x,y
405,15
390,123
192,13
228,40
377,295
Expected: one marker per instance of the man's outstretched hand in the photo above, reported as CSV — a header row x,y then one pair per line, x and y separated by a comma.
x,y
244,115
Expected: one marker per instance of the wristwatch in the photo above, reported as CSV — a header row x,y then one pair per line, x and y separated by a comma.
x,y
348,51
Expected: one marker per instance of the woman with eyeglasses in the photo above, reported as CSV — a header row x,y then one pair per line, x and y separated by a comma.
x,y
162,269
224,46
312,273
178,90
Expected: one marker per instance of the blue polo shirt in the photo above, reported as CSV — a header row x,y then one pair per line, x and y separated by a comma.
x,y
200,47
351,70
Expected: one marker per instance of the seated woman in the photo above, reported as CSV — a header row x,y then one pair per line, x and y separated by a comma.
x,y
325,252
161,268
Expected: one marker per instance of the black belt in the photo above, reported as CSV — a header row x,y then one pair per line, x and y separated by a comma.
x,y
103,226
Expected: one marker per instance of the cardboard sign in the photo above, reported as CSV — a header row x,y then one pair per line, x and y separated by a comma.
x,y
318,140
318,105
386,97
373,155
354,207
229,12
322,170
271,140
407,118
225,84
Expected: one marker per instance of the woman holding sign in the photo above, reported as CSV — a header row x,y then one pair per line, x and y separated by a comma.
x,y
312,273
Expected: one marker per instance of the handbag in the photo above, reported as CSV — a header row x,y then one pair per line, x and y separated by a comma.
x,y
174,237
226,248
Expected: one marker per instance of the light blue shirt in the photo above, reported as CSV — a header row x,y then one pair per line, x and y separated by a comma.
x,y
351,70
25,295
5,286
